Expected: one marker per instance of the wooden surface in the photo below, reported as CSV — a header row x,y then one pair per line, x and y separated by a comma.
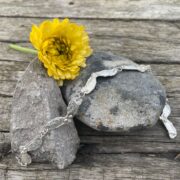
x,y
147,32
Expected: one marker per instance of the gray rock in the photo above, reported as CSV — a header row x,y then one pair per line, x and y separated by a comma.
x,y
37,100
129,100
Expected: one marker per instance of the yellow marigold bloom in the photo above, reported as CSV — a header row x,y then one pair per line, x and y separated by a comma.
x,y
62,47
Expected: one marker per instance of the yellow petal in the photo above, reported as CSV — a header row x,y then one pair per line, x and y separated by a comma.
x,y
60,82
62,47
36,37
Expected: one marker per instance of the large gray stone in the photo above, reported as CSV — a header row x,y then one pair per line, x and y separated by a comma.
x,y
37,99
129,100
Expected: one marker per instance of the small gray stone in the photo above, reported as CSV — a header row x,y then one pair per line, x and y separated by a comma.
x,y
37,100
129,100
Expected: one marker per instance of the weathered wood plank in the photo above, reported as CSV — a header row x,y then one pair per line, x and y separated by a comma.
x,y
142,41
11,71
5,112
122,9
7,88
10,75
172,83
15,66
154,139
100,142
137,139
38,175
153,134
8,54
165,69
98,167
17,29
158,69
128,146
111,144
137,50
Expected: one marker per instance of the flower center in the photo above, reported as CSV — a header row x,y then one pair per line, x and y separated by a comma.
x,y
57,47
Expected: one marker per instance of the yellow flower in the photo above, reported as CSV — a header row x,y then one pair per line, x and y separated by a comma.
x,y
62,47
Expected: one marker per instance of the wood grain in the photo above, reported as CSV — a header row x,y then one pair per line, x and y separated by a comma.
x,y
145,31
17,29
153,139
142,41
114,9
97,167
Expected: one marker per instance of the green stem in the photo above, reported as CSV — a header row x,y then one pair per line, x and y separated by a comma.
x,y
23,49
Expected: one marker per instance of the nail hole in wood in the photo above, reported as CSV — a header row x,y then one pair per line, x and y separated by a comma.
x,y
71,3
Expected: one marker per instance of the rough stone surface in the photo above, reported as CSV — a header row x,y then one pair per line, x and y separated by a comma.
x,y
37,100
129,100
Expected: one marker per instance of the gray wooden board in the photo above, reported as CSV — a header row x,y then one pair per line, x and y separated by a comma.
x,y
114,9
139,40
145,31
97,167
